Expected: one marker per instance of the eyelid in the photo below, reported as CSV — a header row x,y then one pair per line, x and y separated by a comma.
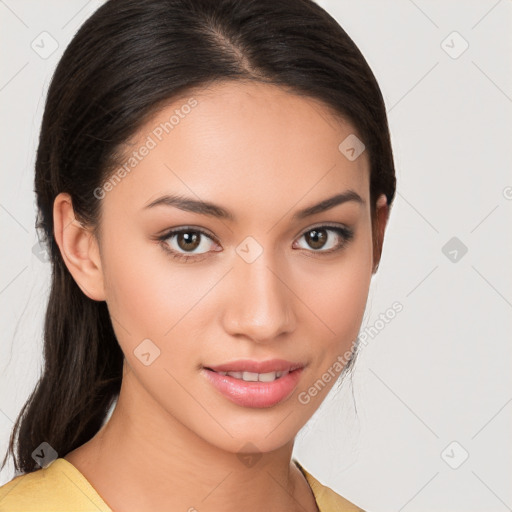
x,y
186,227
346,233
169,232
172,232
340,229
339,225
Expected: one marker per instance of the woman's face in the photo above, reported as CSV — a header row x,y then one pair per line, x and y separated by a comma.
x,y
265,280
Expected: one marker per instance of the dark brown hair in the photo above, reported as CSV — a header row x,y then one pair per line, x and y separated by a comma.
x,y
127,60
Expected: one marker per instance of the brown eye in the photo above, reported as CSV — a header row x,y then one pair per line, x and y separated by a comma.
x,y
316,238
183,243
188,240
321,238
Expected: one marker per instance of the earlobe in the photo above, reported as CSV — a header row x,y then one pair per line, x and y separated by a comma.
x,y
79,248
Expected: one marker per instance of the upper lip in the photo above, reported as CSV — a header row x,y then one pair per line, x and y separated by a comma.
x,y
247,365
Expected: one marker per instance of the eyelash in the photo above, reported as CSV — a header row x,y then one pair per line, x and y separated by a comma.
x,y
345,233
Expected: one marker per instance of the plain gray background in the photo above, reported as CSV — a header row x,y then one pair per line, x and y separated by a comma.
x,y
432,386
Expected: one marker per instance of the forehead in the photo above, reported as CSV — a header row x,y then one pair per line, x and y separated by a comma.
x,y
242,144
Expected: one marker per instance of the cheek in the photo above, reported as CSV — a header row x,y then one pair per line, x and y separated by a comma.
x,y
338,294
341,310
352,296
144,291
151,297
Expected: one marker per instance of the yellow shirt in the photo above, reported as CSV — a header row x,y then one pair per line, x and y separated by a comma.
x,y
60,487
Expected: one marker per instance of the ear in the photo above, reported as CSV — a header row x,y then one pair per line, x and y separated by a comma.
x,y
379,229
79,248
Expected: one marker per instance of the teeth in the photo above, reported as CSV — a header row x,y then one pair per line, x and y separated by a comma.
x,y
267,377
255,377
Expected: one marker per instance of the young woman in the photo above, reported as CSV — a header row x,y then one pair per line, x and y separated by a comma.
x,y
213,179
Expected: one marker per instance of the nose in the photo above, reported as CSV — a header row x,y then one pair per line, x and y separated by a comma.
x,y
260,302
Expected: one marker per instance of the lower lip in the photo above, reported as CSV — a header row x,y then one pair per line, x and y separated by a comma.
x,y
254,394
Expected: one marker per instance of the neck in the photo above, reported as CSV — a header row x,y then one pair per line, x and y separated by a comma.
x,y
143,461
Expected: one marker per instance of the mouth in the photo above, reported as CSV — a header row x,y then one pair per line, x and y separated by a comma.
x,y
255,384
256,367
254,377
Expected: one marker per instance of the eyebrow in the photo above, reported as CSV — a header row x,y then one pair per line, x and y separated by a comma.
x,y
207,208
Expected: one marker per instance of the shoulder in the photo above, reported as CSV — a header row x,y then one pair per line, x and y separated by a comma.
x,y
59,487
326,499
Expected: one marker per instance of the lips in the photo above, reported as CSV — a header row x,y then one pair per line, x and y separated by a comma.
x,y
254,393
250,366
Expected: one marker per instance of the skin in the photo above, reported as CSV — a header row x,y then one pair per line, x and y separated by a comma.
x,y
263,153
